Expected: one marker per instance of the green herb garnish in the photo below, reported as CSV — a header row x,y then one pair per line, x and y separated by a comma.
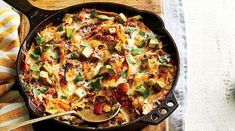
x,y
83,43
103,17
40,40
36,92
35,68
35,55
131,59
79,77
69,32
96,83
143,91
124,73
63,97
93,13
163,59
74,56
118,46
60,27
137,51
142,33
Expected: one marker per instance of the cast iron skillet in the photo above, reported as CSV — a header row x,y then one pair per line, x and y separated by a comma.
x,y
39,18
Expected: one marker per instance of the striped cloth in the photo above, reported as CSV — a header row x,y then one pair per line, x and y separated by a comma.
x,y
12,107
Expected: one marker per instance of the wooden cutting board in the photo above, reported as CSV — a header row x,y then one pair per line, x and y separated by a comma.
x,y
151,5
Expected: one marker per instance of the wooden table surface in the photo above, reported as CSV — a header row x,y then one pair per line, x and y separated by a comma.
x,y
151,5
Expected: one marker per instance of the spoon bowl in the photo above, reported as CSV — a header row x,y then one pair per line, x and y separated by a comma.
x,y
86,115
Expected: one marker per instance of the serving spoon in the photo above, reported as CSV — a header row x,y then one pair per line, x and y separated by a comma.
x,y
85,114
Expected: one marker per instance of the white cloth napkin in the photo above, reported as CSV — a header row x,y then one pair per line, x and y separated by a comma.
x,y
174,22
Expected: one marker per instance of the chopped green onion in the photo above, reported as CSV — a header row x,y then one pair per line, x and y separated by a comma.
x,y
131,59
74,56
38,50
63,97
143,91
55,55
35,55
43,74
118,46
35,68
84,43
96,83
48,68
124,73
163,59
93,13
40,40
142,33
103,17
69,32
36,92
79,77
129,48
137,51
60,27
47,46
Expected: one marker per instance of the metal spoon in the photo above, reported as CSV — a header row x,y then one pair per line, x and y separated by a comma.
x,y
86,115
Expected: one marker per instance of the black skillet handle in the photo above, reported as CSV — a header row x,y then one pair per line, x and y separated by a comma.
x,y
163,110
34,14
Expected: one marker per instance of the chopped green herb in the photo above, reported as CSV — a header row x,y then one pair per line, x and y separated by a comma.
x,y
36,92
118,46
55,55
93,13
124,73
38,50
104,17
83,43
40,40
142,33
143,91
35,55
137,51
43,74
74,56
163,59
47,46
79,77
131,59
130,30
129,48
60,28
110,70
48,68
166,65
63,97
154,43
69,32
96,83
35,68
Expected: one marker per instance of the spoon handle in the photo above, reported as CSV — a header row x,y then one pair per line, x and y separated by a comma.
x,y
14,126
